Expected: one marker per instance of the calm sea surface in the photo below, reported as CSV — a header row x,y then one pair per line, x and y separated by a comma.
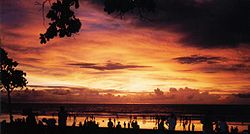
x,y
145,114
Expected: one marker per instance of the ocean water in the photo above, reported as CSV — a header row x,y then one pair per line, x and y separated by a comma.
x,y
145,114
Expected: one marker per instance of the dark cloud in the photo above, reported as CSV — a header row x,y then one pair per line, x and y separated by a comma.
x,y
196,59
237,67
216,64
234,68
204,24
246,95
217,68
107,66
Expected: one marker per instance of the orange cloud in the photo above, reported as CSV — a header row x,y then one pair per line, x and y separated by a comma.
x,y
64,94
140,58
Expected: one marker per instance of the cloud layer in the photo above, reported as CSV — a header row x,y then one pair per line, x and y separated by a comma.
x,y
62,94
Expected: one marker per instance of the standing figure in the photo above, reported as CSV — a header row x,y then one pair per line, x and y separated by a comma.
x,y
184,126
62,117
74,121
207,124
31,118
128,125
223,126
161,125
118,125
193,126
189,126
110,123
171,122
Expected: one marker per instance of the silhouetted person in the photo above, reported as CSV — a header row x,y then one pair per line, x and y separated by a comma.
x,y
62,117
236,130
11,119
118,125
128,125
80,124
137,125
232,130
110,123
74,121
23,120
3,127
133,124
184,126
180,120
40,123
171,122
223,126
207,124
193,127
161,125
124,124
18,121
31,118
217,128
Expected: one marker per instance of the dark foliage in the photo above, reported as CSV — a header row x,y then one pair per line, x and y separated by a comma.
x,y
123,6
63,20
10,76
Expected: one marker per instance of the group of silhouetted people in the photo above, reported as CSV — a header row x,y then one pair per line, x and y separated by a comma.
x,y
171,122
89,122
186,123
134,124
234,130
51,122
221,126
30,119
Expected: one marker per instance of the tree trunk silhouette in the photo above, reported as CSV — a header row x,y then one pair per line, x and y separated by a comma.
x,y
10,108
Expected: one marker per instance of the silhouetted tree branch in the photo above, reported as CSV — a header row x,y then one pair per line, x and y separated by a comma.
x,y
64,22
11,77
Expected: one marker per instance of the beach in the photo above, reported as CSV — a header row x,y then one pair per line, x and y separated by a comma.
x,y
146,116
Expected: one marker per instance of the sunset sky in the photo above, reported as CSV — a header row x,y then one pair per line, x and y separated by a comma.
x,y
193,51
